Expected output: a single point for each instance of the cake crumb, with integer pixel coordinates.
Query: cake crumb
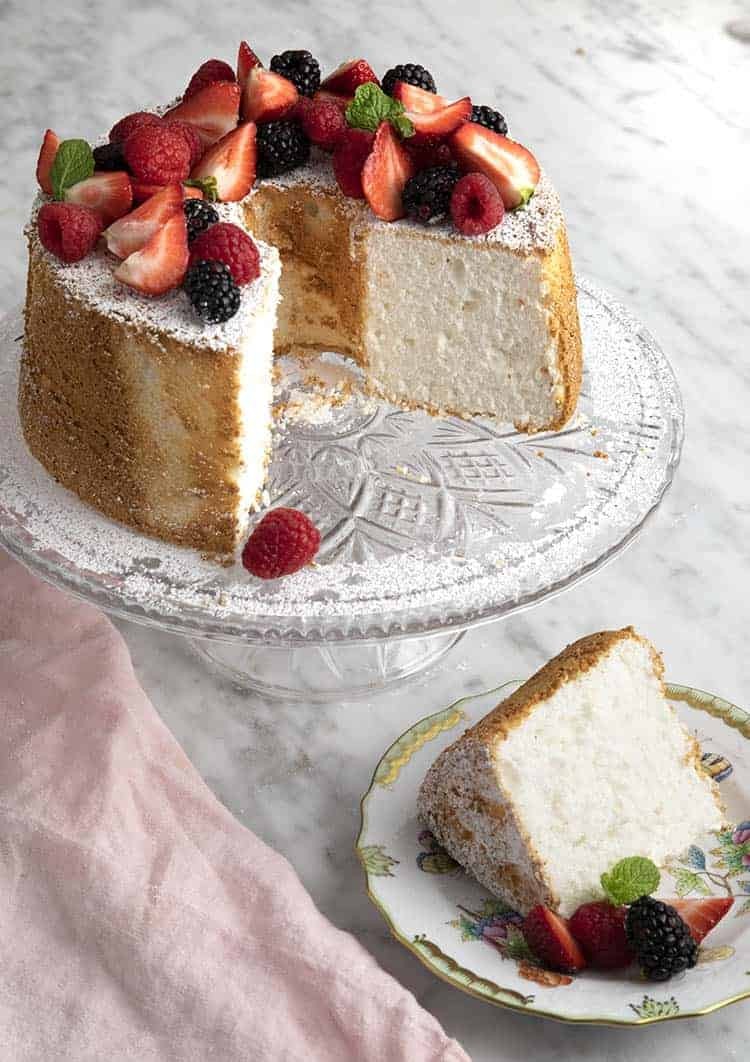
(601, 454)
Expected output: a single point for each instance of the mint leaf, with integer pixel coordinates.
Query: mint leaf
(74, 162)
(630, 879)
(207, 185)
(371, 106)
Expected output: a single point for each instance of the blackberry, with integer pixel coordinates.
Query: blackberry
(490, 119)
(282, 146)
(199, 216)
(662, 942)
(427, 195)
(212, 291)
(301, 68)
(109, 157)
(412, 73)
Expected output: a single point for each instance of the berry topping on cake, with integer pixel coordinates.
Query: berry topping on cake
(212, 292)
(346, 79)
(67, 230)
(191, 136)
(133, 231)
(159, 266)
(323, 122)
(110, 157)
(282, 146)
(130, 124)
(412, 74)
(225, 242)
(476, 206)
(348, 160)
(109, 194)
(214, 110)
(208, 73)
(158, 154)
(333, 97)
(246, 60)
(549, 937)
(599, 928)
(142, 190)
(284, 541)
(47, 152)
(385, 173)
(199, 216)
(490, 119)
(662, 942)
(230, 164)
(299, 67)
(430, 114)
(701, 915)
(427, 195)
(266, 96)
(428, 151)
(511, 167)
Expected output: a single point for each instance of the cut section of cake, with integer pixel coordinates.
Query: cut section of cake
(585, 764)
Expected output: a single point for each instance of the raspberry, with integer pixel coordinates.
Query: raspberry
(324, 123)
(191, 137)
(348, 160)
(130, 124)
(227, 243)
(207, 74)
(158, 155)
(67, 230)
(599, 928)
(283, 542)
(476, 205)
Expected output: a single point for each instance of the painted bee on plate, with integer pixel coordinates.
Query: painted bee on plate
(716, 766)
(436, 860)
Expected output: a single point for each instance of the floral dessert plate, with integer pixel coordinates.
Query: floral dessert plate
(470, 939)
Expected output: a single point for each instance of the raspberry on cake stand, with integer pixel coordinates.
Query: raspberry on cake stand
(429, 525)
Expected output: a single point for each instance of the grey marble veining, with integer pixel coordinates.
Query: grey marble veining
(640, 113)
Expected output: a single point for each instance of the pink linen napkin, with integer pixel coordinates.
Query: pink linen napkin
(138, 919)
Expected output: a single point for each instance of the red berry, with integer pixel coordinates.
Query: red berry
(348, 160)
(476, 205)
(284, 541)
(324, 123)
(227, 243)
(130, 124)
(428, 152)
(158, 155)
(549, 937)
(599, 928)
(67, 230)
(346, 79)
(47, 153)
(208, 73)
(191, 136)
(701, 915)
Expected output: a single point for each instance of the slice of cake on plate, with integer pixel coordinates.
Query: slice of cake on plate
(586, 763)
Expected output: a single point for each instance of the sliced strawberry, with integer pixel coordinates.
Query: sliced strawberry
(231, 162)
(161, 264)
(349, 158)
(267, 96)
(143, 191)
(333, 97)
(47, 153)
(549, 937)
(346, 79)
(109, 194)
(246, 60)
(386, 171)
(133, 231)
(214, 111)
(189, 192)
(703, 914)
(431, 115)
(417, 100)
(510, 166)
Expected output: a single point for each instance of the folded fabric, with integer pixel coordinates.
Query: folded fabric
(138, 919)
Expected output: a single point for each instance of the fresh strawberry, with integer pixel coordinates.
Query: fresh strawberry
(703, 914)
(511, 167)
(333, 97)
(142, 191)
(599, 928)
(384, 174)
(47, 153)
(346, 79)
(161, 264)
(549, 937)
(208, 73)
(348, 160)
(214, 111)
(189, 192)
(109, 194)
(68, 231)
(267, 96)
(246, 60)
(430, 114)
(231, 162)
(133, 231)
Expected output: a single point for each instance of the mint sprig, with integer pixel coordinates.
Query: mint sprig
(630, 879)
(371, 106)
(74, 162)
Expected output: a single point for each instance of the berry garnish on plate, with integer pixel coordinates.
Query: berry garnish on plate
(412, 74)
(130, 124)
(158, 154)
(301, 68)
(284, 541)
(227, 243)
(427, 195)
(430, 114)
(701, 915)
(323, 122)
(661, 941)
(510, 166)
(266, 96)
(208, 73)
(109, 194)
(246, 60)
(133, 231)
(549, 937)
(385, 173)
(476, 206)
(490, 119)
(214, 111)
(212, 291)
(346, 79)
(47, 152)
(599, 928)
(68, 231)
(230, 164)
(159, 266)
(348, 160)
(199, 216)
(282, 146)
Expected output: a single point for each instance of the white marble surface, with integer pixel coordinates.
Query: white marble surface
(640, 113)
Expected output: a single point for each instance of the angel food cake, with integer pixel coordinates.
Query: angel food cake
(268, 212)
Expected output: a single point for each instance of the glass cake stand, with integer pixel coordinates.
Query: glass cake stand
(430, 525)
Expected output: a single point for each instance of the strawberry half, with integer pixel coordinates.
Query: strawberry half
(47, 153)
(161, 263)
(214, 111)
(346, 79)
(246, 60)
(549, 937)
(143, 191)
(385, 173)
(267, 96)
(133, 231)
(510, 166)
(702, 915)
(430, 114)
(109, 194)
(231, 162)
